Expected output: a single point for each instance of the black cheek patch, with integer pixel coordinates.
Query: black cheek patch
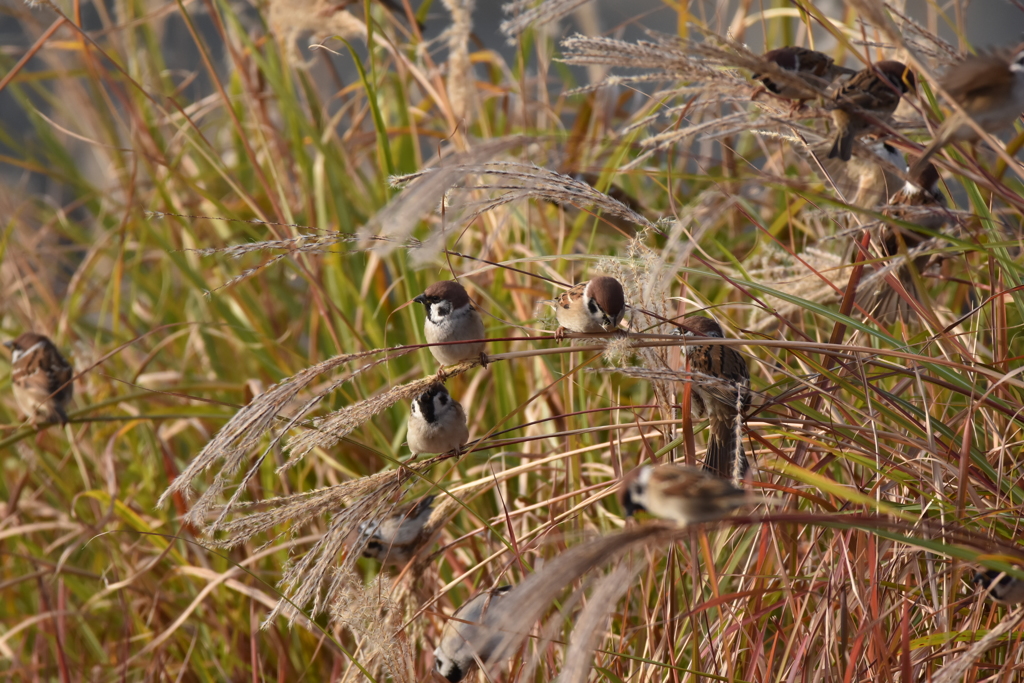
(456, 674)
(592, 306)
(427, 408)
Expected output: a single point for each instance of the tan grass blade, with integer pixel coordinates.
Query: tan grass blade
(521, 609)
(591, 622)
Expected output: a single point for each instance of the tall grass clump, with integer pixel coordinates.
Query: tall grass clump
(222, 213)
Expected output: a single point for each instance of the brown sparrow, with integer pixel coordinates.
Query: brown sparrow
(683, 494)
(437, 423)
(721, 391)
(452, 317)
(919, 202)
(455, 656)
(869, 178)
(875, 91)
(816, 68)
(41, 379)
(910, 205)
(590, 307)
(1000, 586)
(989, 88)
(396, 539)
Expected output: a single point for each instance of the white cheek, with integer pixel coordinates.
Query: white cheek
(688, 349)
(21, 354)
(442, 664)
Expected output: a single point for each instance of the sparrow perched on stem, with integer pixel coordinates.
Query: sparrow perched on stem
(437, 423)
(815, 68)
(989, 87)
(41, 379)
(396, 539)
(874, 91)
(721, 393)
(685, 495)
(452, 317)
(919, 202)
(455, 655)
(590, 307)
(1000, 586)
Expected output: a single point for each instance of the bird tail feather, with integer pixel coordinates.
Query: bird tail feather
(725, 457)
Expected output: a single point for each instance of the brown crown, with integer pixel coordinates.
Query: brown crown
(608, 294)
(450, 290)
(898, 73)
(702, 326)
(928, 177)
(27, 340)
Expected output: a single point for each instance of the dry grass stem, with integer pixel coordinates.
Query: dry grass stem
(243, 432)
(369, 612)
(592, 622)
(516, 615)
(527, 14)
(515, 181)
(460, 82)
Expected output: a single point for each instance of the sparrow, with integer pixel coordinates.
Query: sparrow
(919, 202)
(875, 91)
(454, 656)
(451, 316)
(590, 307)
(910, 205)
(815, 68)
(685, 495)
(437, 423)
(396, 539)
(869, 178)
(41, 379)
(721, 383)
(1000, 586)
(989, 87)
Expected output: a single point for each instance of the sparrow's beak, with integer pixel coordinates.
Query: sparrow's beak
(9, 343)
(421, 299)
